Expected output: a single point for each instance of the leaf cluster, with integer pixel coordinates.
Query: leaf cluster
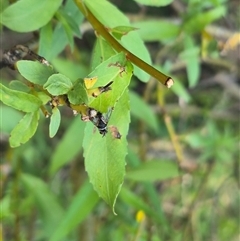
(181, 177)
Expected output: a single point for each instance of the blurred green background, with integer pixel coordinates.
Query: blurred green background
(182, 173)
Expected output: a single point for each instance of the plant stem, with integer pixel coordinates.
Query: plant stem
(100, 29)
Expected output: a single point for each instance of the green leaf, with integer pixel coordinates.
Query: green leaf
(78, 95)
(191, 58)
(157, 30)
(142, 111)
(29, 15)
(43, 97)
(120, 31)
(54, 122)
(131, 41)
(154, 171)
(45, 40)
(19, 85)
(58, 43)
(108, 70)
(71, 141)
(105, 156)
(19, 100)
(50, 210)
(6, 210)
(9, 118)
(81, 205)
(25, 129)
(62, 17)
(101, 52)
(70, 21)
(156, 3)
(110, 98)
(58, 84)
(35, 72)
(72, 10)
(71, 18)
(200, 20)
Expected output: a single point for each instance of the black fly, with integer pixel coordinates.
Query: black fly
(98, 119)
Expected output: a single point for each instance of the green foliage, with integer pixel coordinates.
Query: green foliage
(119, 31)
(54, 122)
(71, 141)
(149, 30)
(191, 56)
(215, 143)
(153, 171)
(105, 158)
(58, 84)
(50, 210)
(19, 100)
(146, 114)
(78, 93)
(115, 18)
(108, 70)
(200, 20)
(156, 3)
(25, 129)
(82, 204)
(18, 17)
(34, 72)
(180, 155)
(115, 68)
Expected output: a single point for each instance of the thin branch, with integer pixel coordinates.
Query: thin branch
(101, 30)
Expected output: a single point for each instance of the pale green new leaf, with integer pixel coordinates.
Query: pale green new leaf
(105, 156)
(25, 129)
(50, 210)
(29, 15)
(34, 72)
(58, 84)
(19, 100)
(54, 122)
